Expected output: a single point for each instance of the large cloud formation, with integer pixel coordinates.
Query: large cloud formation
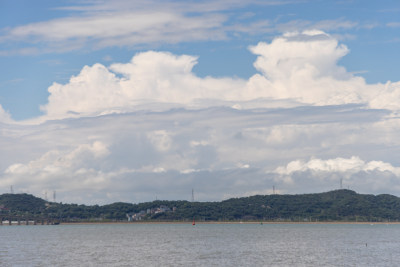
(297, 67)
(151, 77)
(151, 127)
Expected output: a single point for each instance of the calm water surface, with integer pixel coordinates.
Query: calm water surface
(201, 245)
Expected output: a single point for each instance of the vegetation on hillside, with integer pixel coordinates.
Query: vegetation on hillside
(338, 205)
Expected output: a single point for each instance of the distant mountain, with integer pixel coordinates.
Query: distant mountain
(338, 205)
(22, 203)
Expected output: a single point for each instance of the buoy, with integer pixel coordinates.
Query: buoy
(194, 223)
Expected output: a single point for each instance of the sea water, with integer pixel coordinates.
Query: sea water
(201, 245)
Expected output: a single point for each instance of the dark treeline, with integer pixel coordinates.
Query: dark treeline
(338, 205)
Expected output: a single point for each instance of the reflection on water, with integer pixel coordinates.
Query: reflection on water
(201, 245)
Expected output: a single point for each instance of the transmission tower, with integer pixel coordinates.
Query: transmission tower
(11, 189)
(54, 196)
(192, 195)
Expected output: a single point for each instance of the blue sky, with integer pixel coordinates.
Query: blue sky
(296, 89)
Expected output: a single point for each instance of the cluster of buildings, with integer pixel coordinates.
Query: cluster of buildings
(140, 215)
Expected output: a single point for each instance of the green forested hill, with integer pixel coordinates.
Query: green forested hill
(22, 203)
(338, 205)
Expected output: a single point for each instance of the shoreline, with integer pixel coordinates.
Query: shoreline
(217, 222)
(209, 222)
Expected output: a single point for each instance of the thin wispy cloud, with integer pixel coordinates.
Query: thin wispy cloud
(325, 25)
(127, 23)
(100, 24)
(119, 29)
(393, 24)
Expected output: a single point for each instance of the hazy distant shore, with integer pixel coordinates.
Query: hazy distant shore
(338, 206)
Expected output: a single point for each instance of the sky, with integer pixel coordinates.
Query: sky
(106, 101)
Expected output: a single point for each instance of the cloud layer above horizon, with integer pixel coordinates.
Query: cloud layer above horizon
(152, 127)
(296, 67)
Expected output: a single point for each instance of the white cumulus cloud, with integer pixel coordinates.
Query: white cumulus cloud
(4, 116)
(338, 165)
(150, 77)
(353, 173)
(304, 66)
(296, 67)
(70, 170)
